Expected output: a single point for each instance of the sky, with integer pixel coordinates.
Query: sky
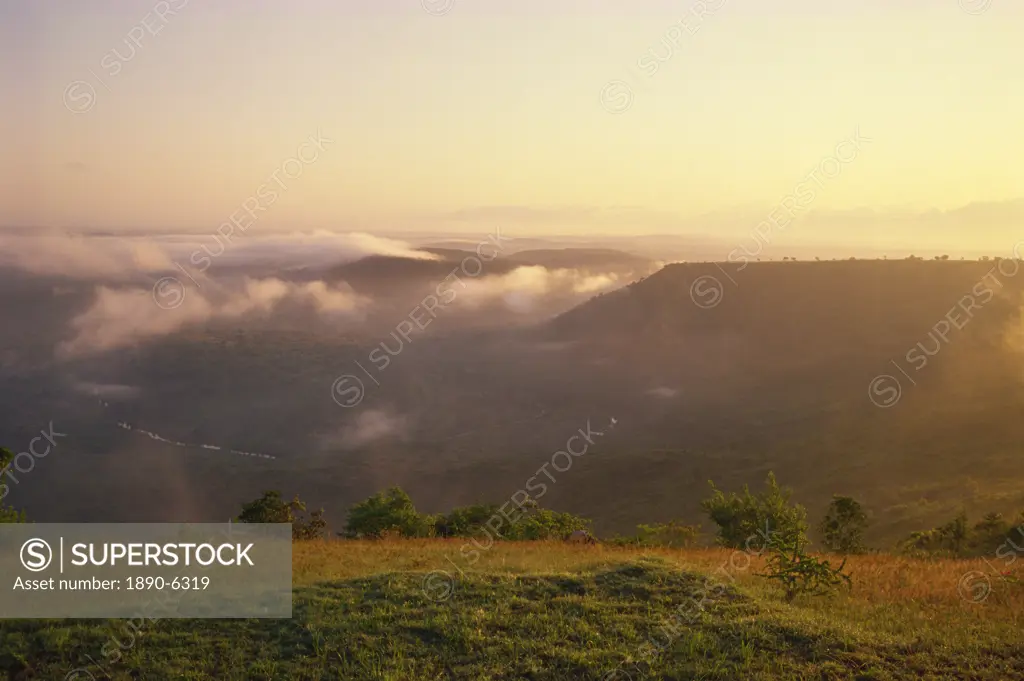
(543, 116)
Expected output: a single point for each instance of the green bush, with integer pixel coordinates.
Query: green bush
(387, 514)
(7, 513)
(948, 540)
(749, 520)
(672, 534)
(464, 520)
(989, 533)
(799, 573)
(530, 522)
(843, 528)
(540, 523)
(959, 539)
(392, 513)
(271, 508)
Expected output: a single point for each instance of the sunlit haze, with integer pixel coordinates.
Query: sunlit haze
(543, 117)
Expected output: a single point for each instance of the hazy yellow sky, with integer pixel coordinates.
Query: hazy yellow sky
(494, 111)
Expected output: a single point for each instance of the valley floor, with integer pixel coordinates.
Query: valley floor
(414, 610)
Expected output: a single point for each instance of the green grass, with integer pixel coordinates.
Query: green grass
(545, 613)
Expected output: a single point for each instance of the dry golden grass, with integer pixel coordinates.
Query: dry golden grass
(945, 589)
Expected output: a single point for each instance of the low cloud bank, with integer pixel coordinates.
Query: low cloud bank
(120, 317)
(121, 258)
(82, 257)
(521, 289)
(297, 249)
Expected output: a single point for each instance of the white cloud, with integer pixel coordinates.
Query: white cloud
(122, 317)
(57, 253)
(522, 287)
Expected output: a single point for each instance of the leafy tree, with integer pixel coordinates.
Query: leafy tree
(271, 508)
(749, 519)
(800, 573)
(386, 514)
(844, 524)
(8, 514)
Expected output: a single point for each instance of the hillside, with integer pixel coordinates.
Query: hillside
(774, 377)
(802, 305)
(411, 610)
(382, 274)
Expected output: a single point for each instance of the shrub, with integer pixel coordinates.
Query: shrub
(843, 528)
(530, 522)
(747, 518)
(271, 508)
(948, 540)
(671, 534)
(540, 523)
(800, 573)
(958, 539)
(314, 528)
(464, 520)
(7, 513)
(989, 533)
(389, 513)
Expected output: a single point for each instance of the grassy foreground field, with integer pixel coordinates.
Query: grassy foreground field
(412, 610)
